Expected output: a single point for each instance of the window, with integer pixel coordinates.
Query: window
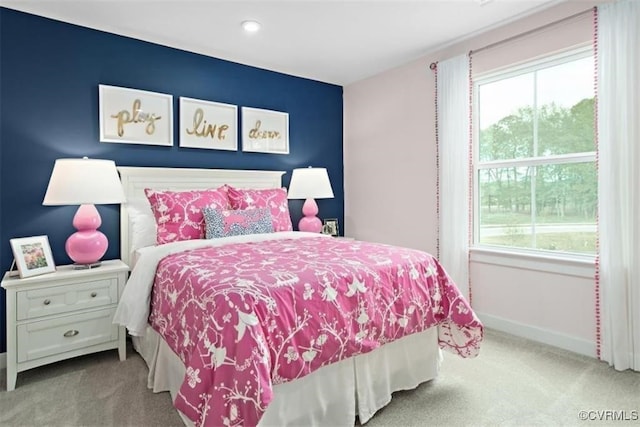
(535, 183)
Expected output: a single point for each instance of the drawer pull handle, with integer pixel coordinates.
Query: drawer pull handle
(94, 294)
(71, 333)
(47, 302)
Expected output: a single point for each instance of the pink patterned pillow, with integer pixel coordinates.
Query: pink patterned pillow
(274, 198)
(179, 215)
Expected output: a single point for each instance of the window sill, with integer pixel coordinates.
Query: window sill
(568, 265)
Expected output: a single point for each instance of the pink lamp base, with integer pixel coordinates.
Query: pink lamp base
(87, 245)
(310, 222)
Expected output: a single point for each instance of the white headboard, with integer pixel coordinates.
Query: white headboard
(136, 179)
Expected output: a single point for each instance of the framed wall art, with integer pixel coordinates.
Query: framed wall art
(265, 131)
(133, 116)
(32, 256)
(206, 124)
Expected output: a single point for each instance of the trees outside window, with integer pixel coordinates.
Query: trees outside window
(535, 180)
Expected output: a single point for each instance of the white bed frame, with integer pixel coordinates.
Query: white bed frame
(334, 395)
(136, 179)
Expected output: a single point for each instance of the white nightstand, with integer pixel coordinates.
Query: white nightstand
(61, 315)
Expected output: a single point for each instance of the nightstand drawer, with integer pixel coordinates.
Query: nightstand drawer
(35, 303)
(62, 334)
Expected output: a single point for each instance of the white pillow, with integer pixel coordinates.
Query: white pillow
(143, 227)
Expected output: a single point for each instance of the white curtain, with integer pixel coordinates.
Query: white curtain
(619, 182)
(453, 127)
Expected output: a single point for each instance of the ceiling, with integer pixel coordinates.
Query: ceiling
(332, 41)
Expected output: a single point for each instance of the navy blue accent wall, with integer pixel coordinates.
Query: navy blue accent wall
(49, 76)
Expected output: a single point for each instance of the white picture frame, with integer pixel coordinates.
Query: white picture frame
(32, 256)
(330, 227)
(132, 116)
(265, 131)
(209, 125)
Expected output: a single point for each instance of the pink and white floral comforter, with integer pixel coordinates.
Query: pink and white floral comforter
(246, 316)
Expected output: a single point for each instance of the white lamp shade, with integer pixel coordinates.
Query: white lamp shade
(310, 183)
(84, 181)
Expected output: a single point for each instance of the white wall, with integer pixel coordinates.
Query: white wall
(389, 158)
(390, 188)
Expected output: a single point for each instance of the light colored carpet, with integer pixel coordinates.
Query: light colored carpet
(514, 382)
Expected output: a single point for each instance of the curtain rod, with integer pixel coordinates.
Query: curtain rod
(533, 30)
(434, 65)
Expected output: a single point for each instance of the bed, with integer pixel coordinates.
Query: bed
(332, 393)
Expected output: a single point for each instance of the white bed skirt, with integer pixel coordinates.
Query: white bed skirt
(330, 396)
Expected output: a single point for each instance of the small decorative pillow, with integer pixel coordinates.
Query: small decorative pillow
(225, 223)
(274, 198)
(179, 215)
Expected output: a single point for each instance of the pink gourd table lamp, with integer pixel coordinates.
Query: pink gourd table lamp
(310, 184)
(85, 182)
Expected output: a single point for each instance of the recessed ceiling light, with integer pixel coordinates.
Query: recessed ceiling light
(251, 26)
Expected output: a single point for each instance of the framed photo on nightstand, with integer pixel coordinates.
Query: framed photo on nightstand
(330, 226)
(33, 256)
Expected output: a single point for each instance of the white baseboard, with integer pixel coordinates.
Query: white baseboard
(556, 339)
(3, 360)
